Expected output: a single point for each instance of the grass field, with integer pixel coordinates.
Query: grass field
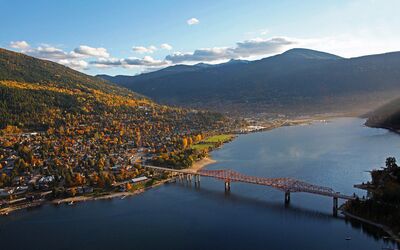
(211, 142)
(218, 138)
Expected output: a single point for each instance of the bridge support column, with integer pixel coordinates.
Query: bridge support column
(227, 186)
(287, 198)
(335, 206)
(197, 180)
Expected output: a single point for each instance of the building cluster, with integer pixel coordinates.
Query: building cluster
(88, 153)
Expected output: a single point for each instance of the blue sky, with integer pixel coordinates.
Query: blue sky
(129, 37)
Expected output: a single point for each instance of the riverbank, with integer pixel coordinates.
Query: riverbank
(107, 196)
(110, 195)
(390, 232)
(195, 167)
(202, 163)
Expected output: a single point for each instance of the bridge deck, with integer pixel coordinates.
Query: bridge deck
(284, 184)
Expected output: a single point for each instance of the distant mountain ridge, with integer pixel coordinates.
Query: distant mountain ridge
(298, 80)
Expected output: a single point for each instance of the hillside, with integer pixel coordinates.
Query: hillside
(35, 92)
(62, 131)
(38, 94)
(296, 81)
(386, 116)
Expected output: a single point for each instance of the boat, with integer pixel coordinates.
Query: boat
(348, 238)
(71, 203)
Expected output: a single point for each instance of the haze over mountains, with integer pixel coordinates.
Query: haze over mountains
(386, 116)
(298, 81)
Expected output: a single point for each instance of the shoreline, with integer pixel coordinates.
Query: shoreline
(106, 196)
(198, 165)
(195, 167)
(369, 222)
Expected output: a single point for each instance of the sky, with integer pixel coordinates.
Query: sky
(131, 37)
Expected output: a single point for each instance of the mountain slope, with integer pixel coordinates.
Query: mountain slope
(22, 68)
(386, 116)
(299, 80)
(37, 95)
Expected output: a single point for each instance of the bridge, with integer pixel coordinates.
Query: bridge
(287, 185)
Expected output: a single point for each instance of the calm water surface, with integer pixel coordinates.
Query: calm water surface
(177, 216)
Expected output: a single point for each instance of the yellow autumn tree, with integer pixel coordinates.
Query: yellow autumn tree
(184, 142)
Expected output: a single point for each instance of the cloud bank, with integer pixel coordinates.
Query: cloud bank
(253, 47)
(85, 57)
(129, 62)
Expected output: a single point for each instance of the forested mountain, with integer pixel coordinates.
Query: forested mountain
(298, 80)
(39, 94)
(80, 131)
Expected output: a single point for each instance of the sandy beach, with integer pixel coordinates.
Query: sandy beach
(202, 163)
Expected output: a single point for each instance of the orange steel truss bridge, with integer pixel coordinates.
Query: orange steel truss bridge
(287, 185)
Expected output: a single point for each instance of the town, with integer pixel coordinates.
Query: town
(100, 154)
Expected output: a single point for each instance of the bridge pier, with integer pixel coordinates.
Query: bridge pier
(197, 180)
(227, 186)
(287, 198)
(335, 206)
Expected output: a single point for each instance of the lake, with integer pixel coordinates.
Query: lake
(336, 154)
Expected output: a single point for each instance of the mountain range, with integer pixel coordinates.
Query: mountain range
(298, 81)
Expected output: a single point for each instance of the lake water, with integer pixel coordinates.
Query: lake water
(177, 216)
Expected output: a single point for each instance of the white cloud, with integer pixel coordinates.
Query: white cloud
(129, 62)
(21, 45)
(145, 61)
(75, 64)
(90, 51)
(166, 46)
(142, 49)
(248, 48)
(51, 53)
(261, 46)
(193, 21)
